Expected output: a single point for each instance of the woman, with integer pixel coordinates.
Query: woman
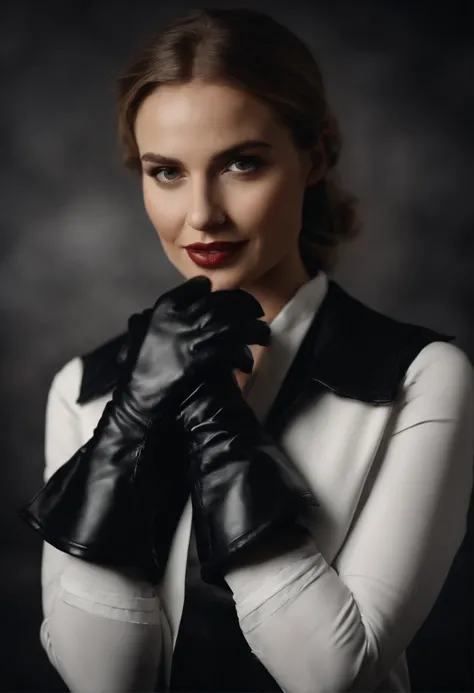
(263, 484)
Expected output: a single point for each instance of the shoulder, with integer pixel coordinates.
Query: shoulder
(91, 375)
(101, 368)
(67, 380)
(438, 387)
(442, 374)
(445, 362)
(95, 374)
(364, 354)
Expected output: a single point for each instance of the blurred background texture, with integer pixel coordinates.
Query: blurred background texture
(78, 254)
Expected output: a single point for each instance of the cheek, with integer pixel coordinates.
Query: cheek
(161, 215)
(149, 200)
(277, 211)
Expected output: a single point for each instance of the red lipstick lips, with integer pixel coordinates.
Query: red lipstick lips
(214, 254)
(215, 245)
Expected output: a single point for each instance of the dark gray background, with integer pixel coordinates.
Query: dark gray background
(79, 255)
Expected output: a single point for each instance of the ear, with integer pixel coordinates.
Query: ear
(319, 164)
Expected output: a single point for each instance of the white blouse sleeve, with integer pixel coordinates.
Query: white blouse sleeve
(101, 628)
(320, 628)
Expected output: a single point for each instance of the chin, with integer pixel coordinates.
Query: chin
(222, 279)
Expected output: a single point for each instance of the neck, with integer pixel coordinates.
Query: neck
(276, 287)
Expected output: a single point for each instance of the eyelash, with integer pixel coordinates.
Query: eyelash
(256, 161)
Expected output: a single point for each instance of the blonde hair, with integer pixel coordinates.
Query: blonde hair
(254, 52)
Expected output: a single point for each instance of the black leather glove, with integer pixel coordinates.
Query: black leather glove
(243, 487)
(126, 485)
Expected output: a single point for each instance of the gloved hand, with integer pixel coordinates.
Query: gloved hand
(243, 487)
(127, 484)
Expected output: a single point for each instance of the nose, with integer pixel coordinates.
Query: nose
(204, 211)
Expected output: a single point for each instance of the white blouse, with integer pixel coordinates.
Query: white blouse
(334, 615)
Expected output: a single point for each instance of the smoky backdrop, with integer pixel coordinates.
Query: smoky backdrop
(78, 254)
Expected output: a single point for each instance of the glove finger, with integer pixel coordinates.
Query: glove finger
(247, 332)
(221, 304)
(236, 356)
(225, 358)
(244, 332)
(237, 298)
(243, 360)
(182, 296)
(138, 322)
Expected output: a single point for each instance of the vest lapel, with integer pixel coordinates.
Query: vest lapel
(351, 350)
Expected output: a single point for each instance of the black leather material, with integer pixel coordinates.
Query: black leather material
(104, 503)
(359, 353)
(102, 506)
(176, 344)
(243, 488)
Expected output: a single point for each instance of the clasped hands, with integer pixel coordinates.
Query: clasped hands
(119, 498)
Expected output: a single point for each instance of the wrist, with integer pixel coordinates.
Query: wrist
(132, 417)
(281, 541)
(217, 405)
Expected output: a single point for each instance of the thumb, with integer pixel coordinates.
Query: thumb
(241, 359)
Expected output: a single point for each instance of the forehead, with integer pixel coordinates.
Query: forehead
(174, 116)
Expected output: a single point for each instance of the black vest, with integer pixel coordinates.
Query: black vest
(355, 352)
(211, 653)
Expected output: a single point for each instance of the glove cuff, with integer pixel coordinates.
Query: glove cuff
(239, 505)
(115, 501)
(243, 487)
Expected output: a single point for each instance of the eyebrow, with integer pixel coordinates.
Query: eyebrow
(220, 156)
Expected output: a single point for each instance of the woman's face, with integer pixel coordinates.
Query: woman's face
(194, 193)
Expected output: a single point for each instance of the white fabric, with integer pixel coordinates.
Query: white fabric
(393, 483)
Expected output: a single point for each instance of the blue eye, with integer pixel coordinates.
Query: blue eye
(154, 173)
(251, 163)
(255, 161)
